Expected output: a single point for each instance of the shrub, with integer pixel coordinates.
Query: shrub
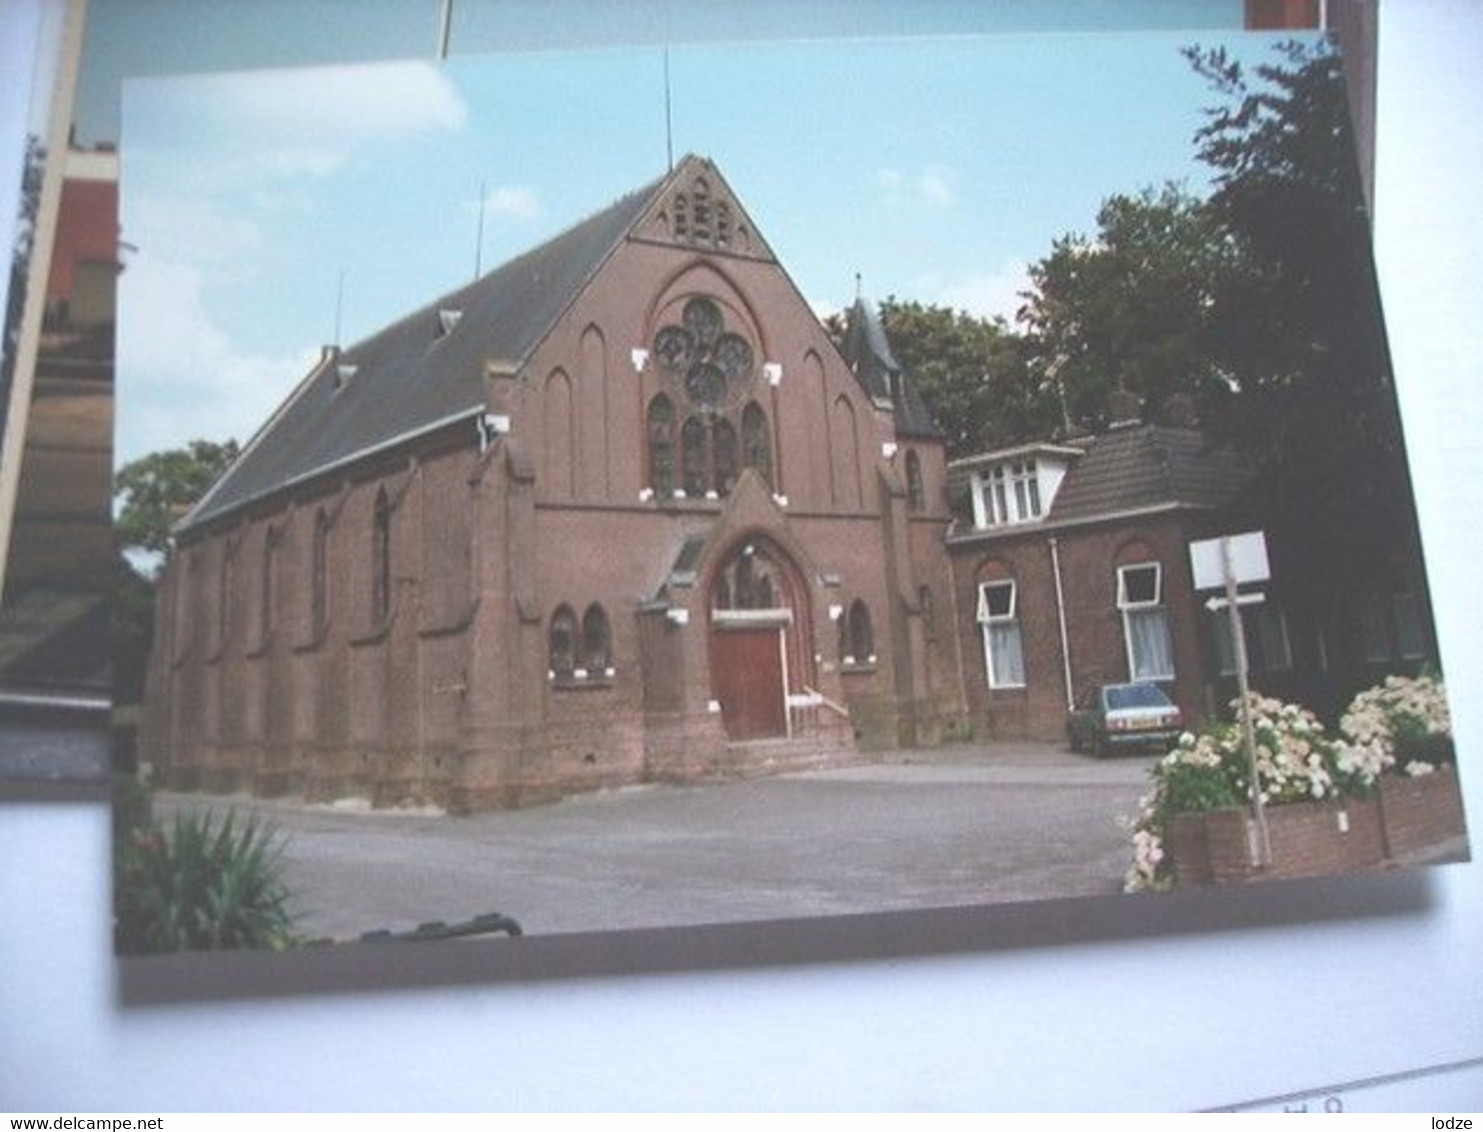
(201, 887)
(1402, 724)
(1295, 761)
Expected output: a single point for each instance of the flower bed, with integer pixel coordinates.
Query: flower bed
(1401, 730)
(1383, 788)
(1191, 828)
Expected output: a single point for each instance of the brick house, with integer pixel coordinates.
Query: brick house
(618, 510)
(1071, 569)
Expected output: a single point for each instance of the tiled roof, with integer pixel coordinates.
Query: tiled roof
(415, 373)
(1133, 468)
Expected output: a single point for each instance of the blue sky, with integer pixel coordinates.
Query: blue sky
(935, 167)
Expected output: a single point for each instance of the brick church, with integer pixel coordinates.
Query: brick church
(621, 510)
(617, 511)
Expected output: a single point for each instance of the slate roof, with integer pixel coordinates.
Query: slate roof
(868, 352)
(1129, 469)
(419, 373)
(1133, 468)
(413, 376)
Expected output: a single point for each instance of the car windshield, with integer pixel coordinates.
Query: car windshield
(1134, 696)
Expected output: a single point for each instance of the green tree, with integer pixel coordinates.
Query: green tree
(1130, 308)
(150, 494)
(154, 491)
(20, 264)
(1299, 330)
(971, 372)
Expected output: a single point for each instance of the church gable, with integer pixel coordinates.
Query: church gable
(698, 210)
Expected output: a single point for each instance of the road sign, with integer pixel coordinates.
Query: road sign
(1248, 559)
(1214, 603)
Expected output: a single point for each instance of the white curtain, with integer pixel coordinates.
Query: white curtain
(1006, 660)
(1150, 650)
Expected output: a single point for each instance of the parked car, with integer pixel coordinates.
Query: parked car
(1119, 717)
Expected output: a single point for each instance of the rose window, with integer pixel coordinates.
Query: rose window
(711, 362)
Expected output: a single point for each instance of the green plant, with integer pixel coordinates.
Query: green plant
(1295, 762)
(1402, 725)
(1191, 788)
(200, 887)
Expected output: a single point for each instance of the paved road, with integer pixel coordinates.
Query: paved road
(967, 825)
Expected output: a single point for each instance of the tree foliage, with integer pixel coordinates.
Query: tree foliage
(20, 263)
(1299, 328)
(970, 371)
(1130, 308)
(154, 491)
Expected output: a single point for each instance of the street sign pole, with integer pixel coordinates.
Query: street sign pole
(1262, 850)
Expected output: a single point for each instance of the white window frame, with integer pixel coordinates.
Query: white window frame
(1130, 608)
(989, 621)
(1006, 494)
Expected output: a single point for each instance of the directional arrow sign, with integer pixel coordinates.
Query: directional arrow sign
(1215, 603)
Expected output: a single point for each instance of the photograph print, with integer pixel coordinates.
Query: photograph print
(630, 489)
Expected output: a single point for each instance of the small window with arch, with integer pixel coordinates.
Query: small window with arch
(561, 643)
(856, 637)
(597, 643)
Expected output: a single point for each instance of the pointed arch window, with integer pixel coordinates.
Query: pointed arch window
(694, 458)
(319, 582)
(723, 224)
(381, 558)
(223, 599)
(856, 636)
(751, 580)
(916, 493)
(561, 643)
(265, 595)
(662, 446)
(597, 642)
(724, 455)
(929, 612)
(757, 441)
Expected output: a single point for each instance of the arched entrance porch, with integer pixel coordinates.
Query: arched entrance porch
(760, 639)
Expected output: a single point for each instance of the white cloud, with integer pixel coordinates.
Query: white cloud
(304, 109)
(983, 294)
(934, 186)
(180, 376)
(220, 131)
(519, 202)
(214, 235)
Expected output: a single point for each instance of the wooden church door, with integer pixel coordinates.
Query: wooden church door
(758, 626)
(747, 678)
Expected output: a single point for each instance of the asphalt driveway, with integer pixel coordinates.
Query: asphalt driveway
(965, 825)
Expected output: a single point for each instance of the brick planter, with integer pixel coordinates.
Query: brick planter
(1419, 813)
(1308, 839)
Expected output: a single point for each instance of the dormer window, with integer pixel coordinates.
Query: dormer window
(1006, 493)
